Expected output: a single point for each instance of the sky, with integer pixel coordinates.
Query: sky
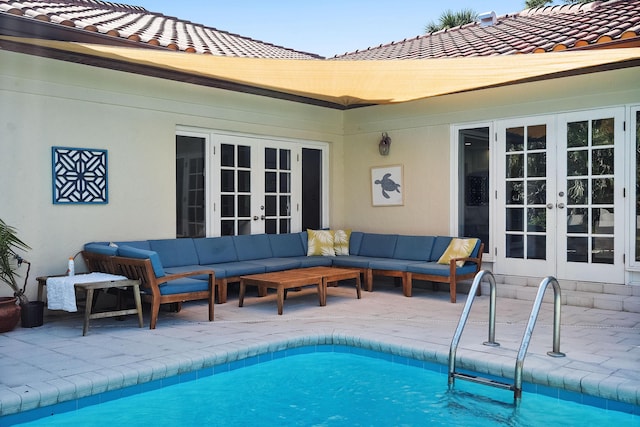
(323, 27)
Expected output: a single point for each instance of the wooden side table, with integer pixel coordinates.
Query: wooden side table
(89, 289)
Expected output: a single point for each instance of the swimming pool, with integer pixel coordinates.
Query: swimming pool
(327, 386)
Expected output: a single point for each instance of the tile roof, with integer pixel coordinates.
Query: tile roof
(543, 29)
(135, 23)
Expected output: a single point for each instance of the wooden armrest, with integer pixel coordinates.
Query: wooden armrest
(175, 276)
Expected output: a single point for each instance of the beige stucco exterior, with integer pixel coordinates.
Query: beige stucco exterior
(45, 103)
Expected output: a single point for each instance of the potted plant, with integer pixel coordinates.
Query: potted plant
(10, 262)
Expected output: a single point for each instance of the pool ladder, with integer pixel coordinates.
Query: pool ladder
(516, 387)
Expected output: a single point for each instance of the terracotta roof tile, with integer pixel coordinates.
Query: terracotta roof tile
(543, 29)
(138, 24)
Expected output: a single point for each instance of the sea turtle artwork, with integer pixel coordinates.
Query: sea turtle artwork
(388, 185)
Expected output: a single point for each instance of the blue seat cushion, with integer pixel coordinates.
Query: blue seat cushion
(417, 248)
(213, 250)
(378, 245)
(237, 268)
(180, 286)
(313, 261)
(252, 246)
(286, 245)
(189, 268)
(131, 252)
(175, 252)
(101, 248)
(436, 269)
(391, 264)
(277, 264)
(352, 261)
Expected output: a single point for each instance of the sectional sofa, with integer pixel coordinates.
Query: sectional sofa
(229, 257)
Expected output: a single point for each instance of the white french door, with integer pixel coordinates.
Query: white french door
(560, 196)
(259, 189)
(526, 206)
(591, 179)
(231, 184)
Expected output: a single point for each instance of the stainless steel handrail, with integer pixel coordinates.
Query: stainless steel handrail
(517, 392)
(465, 315)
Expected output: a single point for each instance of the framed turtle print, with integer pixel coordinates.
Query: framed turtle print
(387, 186)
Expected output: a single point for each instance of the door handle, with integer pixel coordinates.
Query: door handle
(560, 205)
(255, 217)
(262, 217)
(549, 205)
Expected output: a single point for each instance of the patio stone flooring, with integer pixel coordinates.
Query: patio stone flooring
(54, 363)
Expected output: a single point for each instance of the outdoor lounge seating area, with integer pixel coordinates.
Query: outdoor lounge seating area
(173, 270)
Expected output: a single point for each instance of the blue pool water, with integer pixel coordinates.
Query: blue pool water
(334, 389)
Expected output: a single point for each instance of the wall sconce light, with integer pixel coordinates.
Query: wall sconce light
(385, 144)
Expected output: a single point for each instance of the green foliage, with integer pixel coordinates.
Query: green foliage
(450, 19)
(530, 4)
(9, 244)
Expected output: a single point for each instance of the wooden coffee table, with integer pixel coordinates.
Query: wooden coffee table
(333, 274)
(296, 278)
(280, 281)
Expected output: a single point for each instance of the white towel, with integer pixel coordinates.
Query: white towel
(61, 294)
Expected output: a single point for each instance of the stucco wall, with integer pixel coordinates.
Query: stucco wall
(47, 103)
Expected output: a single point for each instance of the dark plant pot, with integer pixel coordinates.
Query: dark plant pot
(9, 313)
(32, 314)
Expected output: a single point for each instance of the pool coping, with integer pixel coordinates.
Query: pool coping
(74, 393)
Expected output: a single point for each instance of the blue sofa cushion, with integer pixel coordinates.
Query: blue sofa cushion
(391, 264)
(436, 269)
(378, 245)
(235, 269)
(189, 268)
(140, 244)
(180, 286)
(417, 248)
(131, 252)
(304, 239)
(101, 248)
(352, 261)
(355, 241)
(286, 245)
(277, 264)
(213, 250)
(313, 261)
(175, 252)
(252, 246)
(439, 246)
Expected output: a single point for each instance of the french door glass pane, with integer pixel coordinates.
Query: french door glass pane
(228, 155)
(244, 181)
(270, 158)
(227, 180)
(270, 182)
(244, 156)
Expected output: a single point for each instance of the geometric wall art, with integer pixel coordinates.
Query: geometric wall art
(79, 175)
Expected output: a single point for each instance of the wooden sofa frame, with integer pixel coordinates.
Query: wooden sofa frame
(143, 270)
(407, 277)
